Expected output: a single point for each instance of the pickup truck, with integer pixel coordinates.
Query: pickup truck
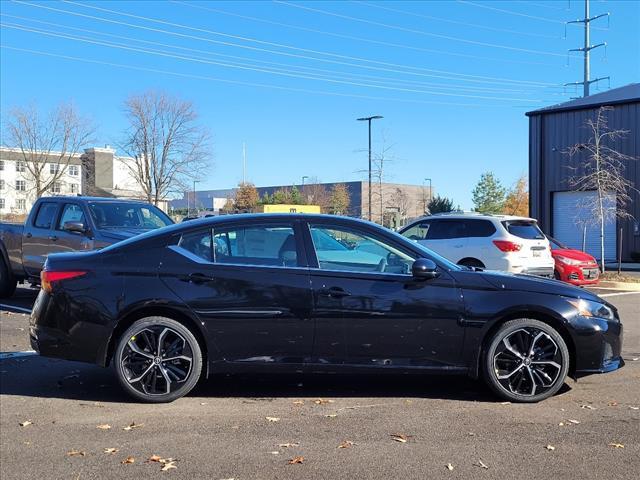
(65, 224)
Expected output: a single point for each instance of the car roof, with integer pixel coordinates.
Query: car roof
(93, 199)
(472, 215)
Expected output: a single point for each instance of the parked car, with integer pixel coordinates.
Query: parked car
(66, 224)
(297, 292)
(574, 266)
(492, 242)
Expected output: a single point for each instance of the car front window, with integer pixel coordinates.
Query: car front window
(127, 215)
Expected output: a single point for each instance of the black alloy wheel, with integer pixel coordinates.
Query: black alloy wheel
(158, 360)
(527, 361)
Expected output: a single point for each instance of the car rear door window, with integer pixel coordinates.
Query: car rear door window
(478, 228)
(71, 213)
(446, 229)
(524, 229)
(46, 214)
(269, 245)
(418, 231)
(198, 244)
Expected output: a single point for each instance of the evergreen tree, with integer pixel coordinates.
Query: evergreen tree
(440, 204)
(488, 195)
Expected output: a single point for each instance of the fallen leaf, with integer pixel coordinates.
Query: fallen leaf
(347, 444)
(634, 408)
(76, 453)
(111, 450)
(275, 452)
(575, 422)
(471, 434)
(550, 447)
(298, 402)
(26, 423)
(104, 426)
(616, 445)
(561, 424)
(128, 460)
(294, 460)
(331, 415)
(272, 419)
(588, 407)
(204, 403)
(288, 445)
(133, 425)
(168, 466)
(502, 403)
(635, 359)
(481, 464)
(612, 403)
(154, 458)
(398, 437)
(449, 467)
(322, 401)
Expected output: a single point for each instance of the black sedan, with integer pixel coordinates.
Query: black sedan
(312, 293)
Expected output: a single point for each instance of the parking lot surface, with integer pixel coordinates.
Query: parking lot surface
(62, 419)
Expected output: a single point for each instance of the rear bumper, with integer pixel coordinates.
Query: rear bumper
(539, 271)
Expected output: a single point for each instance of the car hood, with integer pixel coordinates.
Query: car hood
(531, 283)
(573, 254)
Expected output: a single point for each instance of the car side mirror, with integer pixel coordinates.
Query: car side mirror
(424, 268)
(74, 227)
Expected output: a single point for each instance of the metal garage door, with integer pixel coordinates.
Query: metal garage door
(571, 217)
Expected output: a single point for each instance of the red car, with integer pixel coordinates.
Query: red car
(573, 266)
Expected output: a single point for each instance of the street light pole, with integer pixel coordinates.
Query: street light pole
(304, 178)
(430, 189)
(195, 208)
(368, 119)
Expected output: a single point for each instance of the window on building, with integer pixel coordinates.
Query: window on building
(1, 203)
(54, 168)
(1, 164)
(73, 170)
(1, 184)
(21, 204)
(55, 187)
(21, 166)
(21, 185)
(73, 187)
(46, 213)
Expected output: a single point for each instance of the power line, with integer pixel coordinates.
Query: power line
(455, 22)
(255, 69)
(418, 32)
(360, 39)
(333, 73)
(460, 76)
(242, 83)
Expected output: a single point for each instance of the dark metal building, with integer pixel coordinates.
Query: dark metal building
(552, 131)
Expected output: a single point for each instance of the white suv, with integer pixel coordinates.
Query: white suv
(493, 242)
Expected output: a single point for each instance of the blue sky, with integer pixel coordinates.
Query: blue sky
(452, 78)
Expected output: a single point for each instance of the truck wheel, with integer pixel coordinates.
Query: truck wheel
(8, 283)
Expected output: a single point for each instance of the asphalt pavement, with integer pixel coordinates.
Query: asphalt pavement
(77, 423)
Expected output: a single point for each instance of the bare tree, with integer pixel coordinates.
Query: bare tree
(170, 149)
(379, 163)
(601, 170)
(46, 143)
(314, 193)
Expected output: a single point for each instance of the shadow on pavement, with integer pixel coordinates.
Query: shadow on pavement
(35, 376)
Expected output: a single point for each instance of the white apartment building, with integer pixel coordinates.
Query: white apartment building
(97, 172)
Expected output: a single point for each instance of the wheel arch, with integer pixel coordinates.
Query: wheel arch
(157, 311)
(545, 317)
(472, 260)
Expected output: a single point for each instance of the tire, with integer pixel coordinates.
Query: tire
(8, 282)
(518, 376)
(556, 275)
(471, 262)
(144, 374)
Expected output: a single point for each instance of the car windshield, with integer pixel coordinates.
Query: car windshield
(127, 215)
(524, 229)
(556, 245)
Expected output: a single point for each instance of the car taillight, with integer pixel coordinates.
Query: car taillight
(48, 277)
(507, 246)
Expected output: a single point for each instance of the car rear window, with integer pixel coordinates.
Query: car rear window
(46, 212)
(524, 229)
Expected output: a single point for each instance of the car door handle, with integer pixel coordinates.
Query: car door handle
(334, 292)
(53, 238)
(200, 278)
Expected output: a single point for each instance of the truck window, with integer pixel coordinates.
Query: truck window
(71, 213)
(46, 214)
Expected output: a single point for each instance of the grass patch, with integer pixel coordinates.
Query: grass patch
(614, 277)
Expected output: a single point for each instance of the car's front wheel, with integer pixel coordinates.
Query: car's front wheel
(526, 361)
(158, 360)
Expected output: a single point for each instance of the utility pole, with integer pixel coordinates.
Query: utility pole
(368, 119)
(586, 83)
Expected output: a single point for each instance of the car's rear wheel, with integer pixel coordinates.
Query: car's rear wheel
(8, 282)
(158, 360)
(526, 361)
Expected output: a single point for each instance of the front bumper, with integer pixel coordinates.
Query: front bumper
(598, 346)
(579, 274)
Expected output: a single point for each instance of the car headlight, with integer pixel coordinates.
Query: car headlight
(587, 308)
(568, 261)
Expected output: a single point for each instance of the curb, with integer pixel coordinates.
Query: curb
(626, 286)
